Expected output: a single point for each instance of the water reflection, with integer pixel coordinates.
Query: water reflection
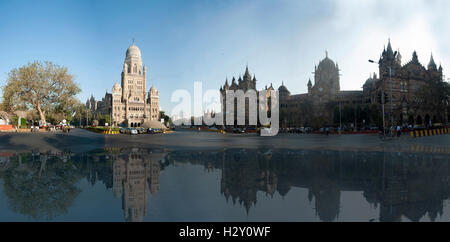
(43, 186)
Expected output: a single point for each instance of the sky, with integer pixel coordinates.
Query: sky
(183, 41)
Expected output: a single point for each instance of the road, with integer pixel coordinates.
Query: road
(81, 141)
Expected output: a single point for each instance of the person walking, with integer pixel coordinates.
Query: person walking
(399, 131)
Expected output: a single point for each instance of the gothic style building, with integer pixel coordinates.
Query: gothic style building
(317, 107)
(129, 104)
(407, 83)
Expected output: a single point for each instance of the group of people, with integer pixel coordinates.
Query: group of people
(324, 131)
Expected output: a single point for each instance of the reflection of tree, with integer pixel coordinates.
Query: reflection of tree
(42, 188)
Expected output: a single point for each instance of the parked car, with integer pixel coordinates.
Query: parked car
(238, 130)
(141, 130)
(133, 131)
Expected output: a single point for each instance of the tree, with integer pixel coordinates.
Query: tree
(163, 115)
(42, 86)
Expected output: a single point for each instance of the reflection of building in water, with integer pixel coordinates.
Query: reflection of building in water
(399, 184)
(136, 173)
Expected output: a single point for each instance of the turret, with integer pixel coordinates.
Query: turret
(309, 86)
(432, 65)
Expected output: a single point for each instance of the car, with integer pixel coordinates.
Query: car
(133, 131)
(238, 130)
(140, 130)
(251, 130)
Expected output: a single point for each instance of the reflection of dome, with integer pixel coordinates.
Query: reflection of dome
(133, 52)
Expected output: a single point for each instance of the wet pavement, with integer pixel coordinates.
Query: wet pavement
(213, 177)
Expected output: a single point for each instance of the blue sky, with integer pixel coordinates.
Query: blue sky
(207, 40)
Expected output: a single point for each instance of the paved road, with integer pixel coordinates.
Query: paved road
(81, 141)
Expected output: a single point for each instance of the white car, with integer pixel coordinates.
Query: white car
(133, 131)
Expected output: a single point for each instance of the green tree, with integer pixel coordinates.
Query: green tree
(163, 115)
(42, 86)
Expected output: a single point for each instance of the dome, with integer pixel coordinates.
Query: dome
(327, 64)
(283, 89)
(133, 52)
(153, 90)
(116, 86)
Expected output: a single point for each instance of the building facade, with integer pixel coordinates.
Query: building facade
(129, 104)
(403, 85)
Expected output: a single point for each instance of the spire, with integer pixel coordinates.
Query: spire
(254, 77)
(326, 54)
(432, 65)
(133, 42)
(415, 59)
(389, 51)
(247, 75)
(309, 82)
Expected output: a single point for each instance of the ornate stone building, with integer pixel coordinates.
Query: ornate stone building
(303, 109)
(318, 107)
(136, 174)
(129, 104)
(407, 83)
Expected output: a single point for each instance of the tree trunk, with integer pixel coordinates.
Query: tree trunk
(41, 114)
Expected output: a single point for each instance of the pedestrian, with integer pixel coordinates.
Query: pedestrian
(399, 131)
(328, 130)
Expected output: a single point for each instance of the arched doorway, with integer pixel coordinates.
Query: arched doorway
(427, 119)
(419, 120)
(411, 120)
(132, 125)
(434, 120)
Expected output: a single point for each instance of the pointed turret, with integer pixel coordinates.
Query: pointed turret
(309, 85)
(247, 76)
(415, 59)
(432, 65)
(389, 51)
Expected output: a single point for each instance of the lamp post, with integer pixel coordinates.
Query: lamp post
(382, 107)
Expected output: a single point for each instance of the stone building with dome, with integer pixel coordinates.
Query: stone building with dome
(129, 103)
(320, 106)
(300, 110)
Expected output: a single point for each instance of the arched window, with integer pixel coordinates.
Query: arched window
(129, 69)
(135, 68)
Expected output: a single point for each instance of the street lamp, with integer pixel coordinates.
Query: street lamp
(382, 106)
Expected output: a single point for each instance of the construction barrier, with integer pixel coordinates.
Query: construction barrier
(110, 132)
(429, 132)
